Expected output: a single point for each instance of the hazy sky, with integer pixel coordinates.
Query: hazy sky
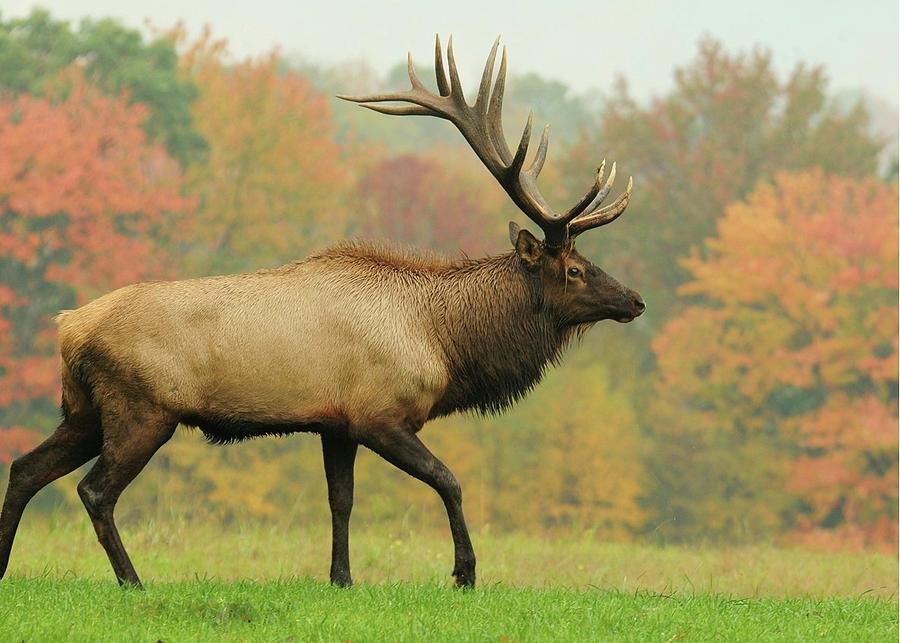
(582, 43)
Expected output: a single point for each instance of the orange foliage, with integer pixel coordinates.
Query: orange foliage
(795, 332)
(272, 185)
(87, 157)
(83, 197)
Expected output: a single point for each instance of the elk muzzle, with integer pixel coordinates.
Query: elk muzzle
(635, 306)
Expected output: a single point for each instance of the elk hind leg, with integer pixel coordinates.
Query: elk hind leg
(131, 435)
(75, 441)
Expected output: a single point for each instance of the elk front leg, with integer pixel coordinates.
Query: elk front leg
(402, 448)
(339, 455)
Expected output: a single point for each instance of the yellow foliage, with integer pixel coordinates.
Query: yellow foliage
(272, 186)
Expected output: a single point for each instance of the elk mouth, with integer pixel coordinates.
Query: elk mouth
(637, 309)
(620, 314)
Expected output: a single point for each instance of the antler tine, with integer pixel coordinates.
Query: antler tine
(483, 98)
(439, 73)
(601, 194)
(537, 164)
(423, 103)
(605, 191)
(399, 110)
(456, 90)
(413, 76)
(495, 113)
(516, 166)
(595, 194)
(588, 198)
(602, 216)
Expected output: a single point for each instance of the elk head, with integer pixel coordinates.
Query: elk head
(576, 290)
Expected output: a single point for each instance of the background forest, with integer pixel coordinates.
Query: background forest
(755, 400)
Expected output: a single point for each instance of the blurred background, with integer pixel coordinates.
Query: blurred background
(755, 401)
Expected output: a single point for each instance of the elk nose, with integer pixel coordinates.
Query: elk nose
(638, 304)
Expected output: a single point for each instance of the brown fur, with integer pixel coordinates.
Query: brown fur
(362, 343)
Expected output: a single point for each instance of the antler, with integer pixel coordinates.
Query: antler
(481, 125)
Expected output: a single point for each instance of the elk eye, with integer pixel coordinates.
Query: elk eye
(574, 272)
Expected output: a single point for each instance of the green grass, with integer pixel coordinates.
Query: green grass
(269, 583)
(58, 609)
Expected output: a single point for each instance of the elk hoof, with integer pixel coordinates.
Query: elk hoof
(341, 581)
(131, 584)
(465, 578)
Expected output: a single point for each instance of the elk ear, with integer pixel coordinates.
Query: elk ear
(513, 232)
(529, 248)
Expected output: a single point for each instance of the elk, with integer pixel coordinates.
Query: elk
(362, 343)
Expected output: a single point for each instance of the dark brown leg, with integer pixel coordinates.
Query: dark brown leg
(70, 446)
(404, 450)
(340, 455)
(130, 440)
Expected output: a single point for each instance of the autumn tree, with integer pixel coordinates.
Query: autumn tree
(114, 59)
(777, 397)
(729, 123)
(273, 185)
(83, 196)
(441, 199)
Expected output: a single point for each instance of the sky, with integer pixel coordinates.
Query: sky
(585, 44)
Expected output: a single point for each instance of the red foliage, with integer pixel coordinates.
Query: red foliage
(86, 157)
(84, 202)
(429, 201)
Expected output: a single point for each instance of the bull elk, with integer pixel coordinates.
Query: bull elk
(362, 343)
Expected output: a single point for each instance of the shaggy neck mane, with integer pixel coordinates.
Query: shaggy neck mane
(497, 336)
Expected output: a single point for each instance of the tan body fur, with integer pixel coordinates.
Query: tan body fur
(275, 346)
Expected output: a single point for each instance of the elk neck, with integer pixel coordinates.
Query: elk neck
(497, 336)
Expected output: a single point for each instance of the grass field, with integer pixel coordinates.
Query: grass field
(270, 584)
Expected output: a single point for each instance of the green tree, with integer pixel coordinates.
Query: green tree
(35, 49)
